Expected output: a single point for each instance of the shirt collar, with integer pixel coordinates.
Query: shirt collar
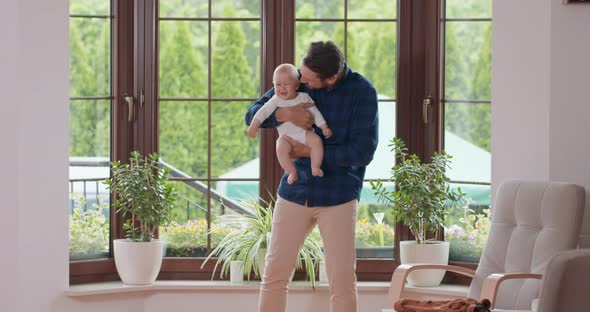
(347, 72)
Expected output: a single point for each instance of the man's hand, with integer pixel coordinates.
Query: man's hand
(298, 115)
(298, 150)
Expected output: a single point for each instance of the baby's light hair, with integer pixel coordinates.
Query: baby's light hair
(290, 69)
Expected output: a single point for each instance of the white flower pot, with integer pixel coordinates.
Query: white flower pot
(236, 272)
(138, 263)
(429, 253)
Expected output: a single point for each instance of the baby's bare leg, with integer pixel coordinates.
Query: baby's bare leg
(283, 149)
(314, 142)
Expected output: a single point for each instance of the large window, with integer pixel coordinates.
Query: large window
(176, 76)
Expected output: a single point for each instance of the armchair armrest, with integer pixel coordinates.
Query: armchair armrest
(489, 289)
(398, 279)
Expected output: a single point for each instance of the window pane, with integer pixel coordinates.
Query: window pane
(233, 153)
(90, 66)
(372, 52)
(467, 124)
(327, 9)
(183, 59)
(374, 239)
(375, 227)
(240, 191)
(308, 32)
(235, 64)
(467, 138)
(468, 60)
(183, 136)
(89, 199)
(187, 235)
(469, 8)
(90, 7)
(372, 9)
(90, 128)
(467, 227)
(184, 8)
(89, 213)
(383, 159)
(235, 8)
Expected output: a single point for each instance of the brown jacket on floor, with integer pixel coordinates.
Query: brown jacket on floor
(457, 305)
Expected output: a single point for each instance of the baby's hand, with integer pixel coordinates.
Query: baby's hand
(327, 132)
(252, 131)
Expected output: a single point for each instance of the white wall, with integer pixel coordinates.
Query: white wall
(570, 99)
(541, 93)
(8, 156)
(520, 89)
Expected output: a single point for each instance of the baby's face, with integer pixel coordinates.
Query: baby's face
(285, 86)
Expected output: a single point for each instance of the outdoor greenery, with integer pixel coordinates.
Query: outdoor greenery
(143, 195)
(89, 229)
(374, 234)
(190, 238)
(468, 236)
(235, 73)
(421, 190)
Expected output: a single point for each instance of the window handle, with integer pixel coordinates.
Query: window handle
(425, 105)
(129, 100)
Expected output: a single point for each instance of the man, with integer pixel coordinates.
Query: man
(348, 102)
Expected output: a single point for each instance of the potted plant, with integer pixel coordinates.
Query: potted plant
(249, 241)
(145, 199)
(419, 201)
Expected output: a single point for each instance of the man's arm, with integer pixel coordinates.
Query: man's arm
(364, 135)
(271, 121)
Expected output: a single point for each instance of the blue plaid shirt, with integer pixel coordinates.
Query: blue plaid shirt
(350, 109)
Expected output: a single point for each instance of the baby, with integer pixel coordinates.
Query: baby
(286, 83)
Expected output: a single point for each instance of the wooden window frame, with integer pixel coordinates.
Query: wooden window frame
(135, 63)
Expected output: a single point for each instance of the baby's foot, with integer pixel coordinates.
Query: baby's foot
(292, 177)
(317, 172)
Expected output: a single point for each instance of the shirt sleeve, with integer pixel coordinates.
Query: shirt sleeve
(266, 110)
(271, 121)
(318, 118)
(363, 137)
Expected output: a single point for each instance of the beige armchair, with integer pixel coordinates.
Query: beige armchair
(565, 284)
(531, 222)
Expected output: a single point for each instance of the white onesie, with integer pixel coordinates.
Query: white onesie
(288, 128)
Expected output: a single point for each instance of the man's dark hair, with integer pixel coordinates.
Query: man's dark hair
(324, 58)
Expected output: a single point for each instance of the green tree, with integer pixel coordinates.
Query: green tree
(89, 76)
(183, 125)
(231, 78)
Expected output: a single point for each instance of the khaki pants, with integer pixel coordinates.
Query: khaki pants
(291, 225)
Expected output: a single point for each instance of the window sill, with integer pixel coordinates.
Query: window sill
(249, 286)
